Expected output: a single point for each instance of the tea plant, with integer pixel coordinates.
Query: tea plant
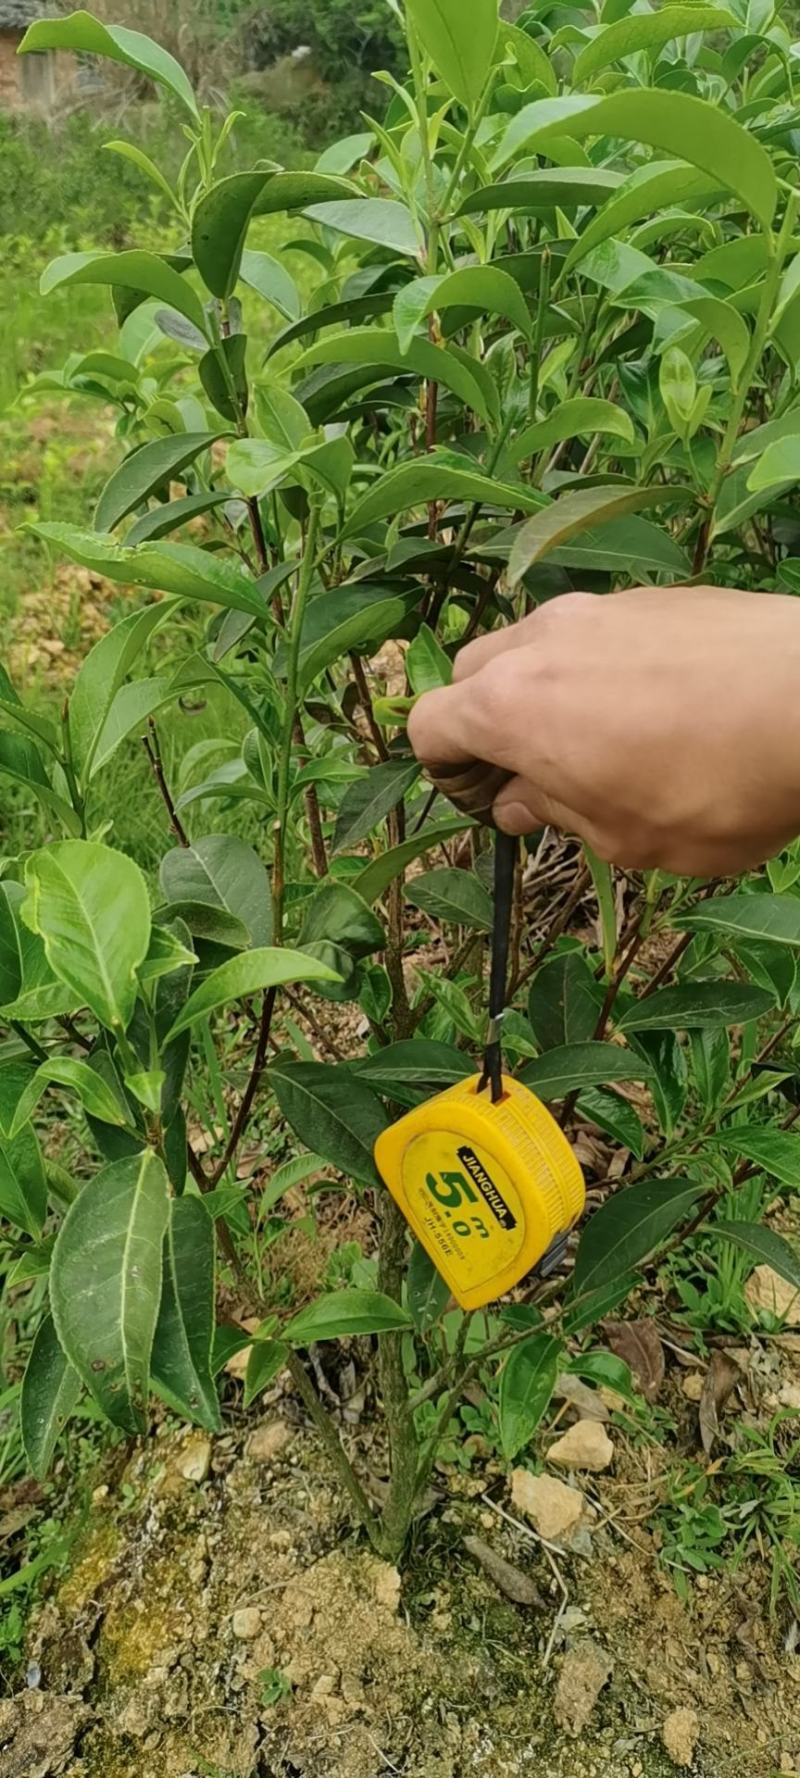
(553, 343)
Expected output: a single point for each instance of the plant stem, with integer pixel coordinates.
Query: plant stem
(289, 727)
(334, 1447)
(152, 748)
(242, 1117)
(403, 1445)
(778, 249)
(538, 340)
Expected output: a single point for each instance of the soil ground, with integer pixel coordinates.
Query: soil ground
(235, 1626)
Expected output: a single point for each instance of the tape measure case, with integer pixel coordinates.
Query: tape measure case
(487, 1188)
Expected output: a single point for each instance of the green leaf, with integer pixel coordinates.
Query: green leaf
(90, 906)
(427, 665)
(223, 375)
(354, 617)
(776, 1152)
(646, 191)
(181, 1360)
(569, 420)
(369, 800)
(170, 515)
(484, 288)
(343, 1314)
(441, 476)
(613, 1113)
(132, 706)
(629, 1227)
(50, 1391)
(591, 1307)
(266, 1361)
(178, 568)
(575, 1065)
(206, 921)
(381, 220)
(20, 759)
(602, 875)
(774, 917)
(86, 35)
(564, 1002)
(221, 871)
(337, 915)
(698, 1006)
(428, 1294)
(465, 377)
(527, 1382)
(249, 973)
(130, 151)
(40, 994)
(669, 1083)
(544, 189)
(332, 1113)
(649, 32)
(456, 896)
(219, 229)
(762, 1244)
(270, 279)
(374, 880)
(779, 463)
(564, 518)
(104, 670)
(145, 471)
(460, 37)
(144, 273)
(692, 129)
(724, 323)
(105, 1283)
(64, 1071)
(416, 1063)
(23, 1185)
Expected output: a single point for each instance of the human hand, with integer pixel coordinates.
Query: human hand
(662, 725)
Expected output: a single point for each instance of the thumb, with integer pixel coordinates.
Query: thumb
(439, 727)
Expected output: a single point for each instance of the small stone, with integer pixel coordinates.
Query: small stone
(268, 1441)
(586, 1670)
(790, 1397)
(555, 1508)
(680, 1735)
(386, 1586)
(585, 1446)
(324, 1687)
(693, 1385)
(246, 1623)
(767, 1291)
(195, 1459)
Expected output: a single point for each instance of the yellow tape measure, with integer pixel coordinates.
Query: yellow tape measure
(487, 1188)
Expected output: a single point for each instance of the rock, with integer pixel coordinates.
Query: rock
(585, 1446)
(555, 1508)
(509, 1580)
(585, 1671)
(767, 1291)
(246, 1623)
(194, 1461)
(268, 1441)
(692, 1386)
(386, 1586)
(790, 1397)
(680, 1735)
